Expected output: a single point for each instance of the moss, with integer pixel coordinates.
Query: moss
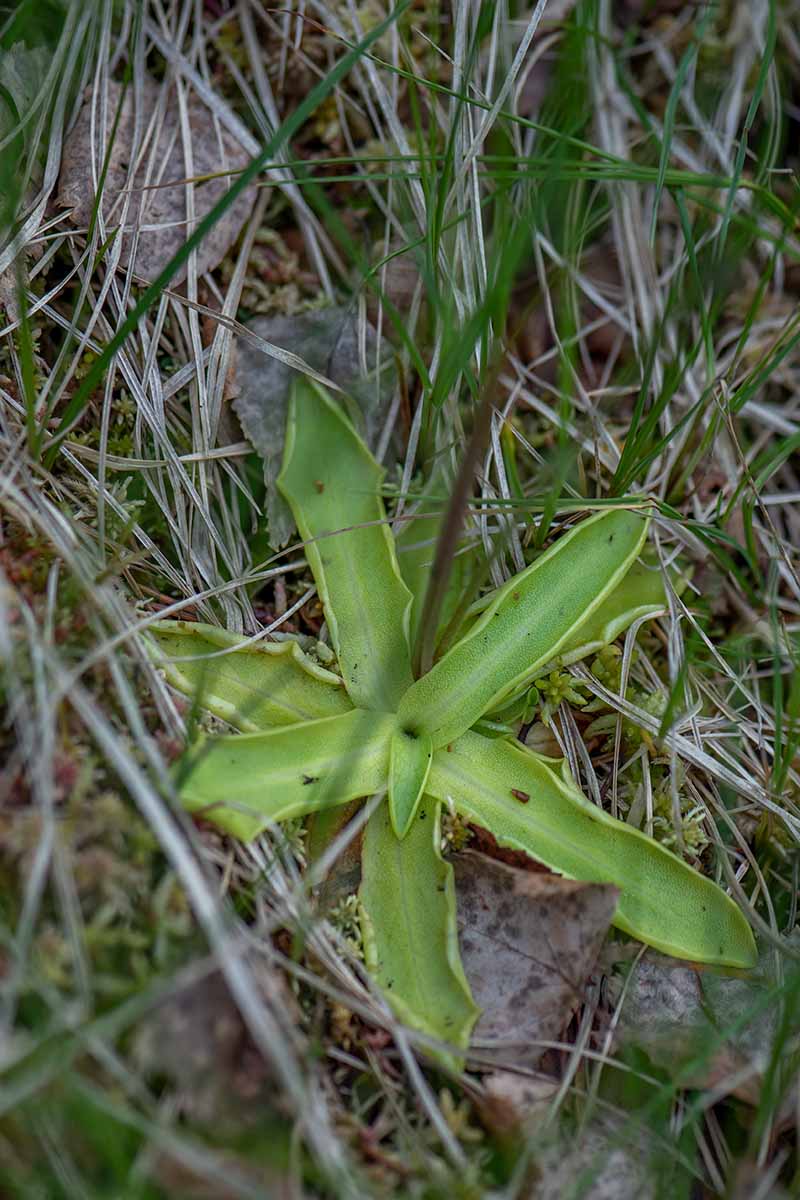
(345, 918)
(556, 688)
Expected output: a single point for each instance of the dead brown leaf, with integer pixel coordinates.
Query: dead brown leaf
(597, 1163)
(198, 1041)
(510, 1103)
(716, 1029)
(160, 212)
(528, 943)
(328, 340)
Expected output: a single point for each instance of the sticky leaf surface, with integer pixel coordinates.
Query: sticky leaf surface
(526, 624)
(640, 593)
(331, 482)
(409, 763)
(253, 686)
(245, 781)
(409, 922)
(527, 806)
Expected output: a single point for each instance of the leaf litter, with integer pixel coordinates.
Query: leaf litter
(717, 1029)
(528, 943)
(196, 1038)
(330, 341)
(693, 982)
(147, 177)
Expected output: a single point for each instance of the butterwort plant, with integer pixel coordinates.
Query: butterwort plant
(316, 734)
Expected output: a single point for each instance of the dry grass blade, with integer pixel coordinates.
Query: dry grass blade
(573, 232)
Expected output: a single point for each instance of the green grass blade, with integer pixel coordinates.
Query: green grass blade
(252, 687)
(525, 626)
(764, 162)
(409, 923)
(670, 112)
(409, 763)
(246, 781)
(527, 806)
(332, 483)
(416, 548)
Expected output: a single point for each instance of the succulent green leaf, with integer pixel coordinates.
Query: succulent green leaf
(244, 782)
(332, 483)
(527, 623)
(526, 805)
(640, 594)
(410, 757)
(252, 687)
(408, 919)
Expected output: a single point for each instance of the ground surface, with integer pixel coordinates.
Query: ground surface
(583, 214)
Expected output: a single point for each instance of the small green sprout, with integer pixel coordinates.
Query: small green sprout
(295, 837)
(335, 736)
(607, 668)
(456, 833)
(345, 917)
(554, 689)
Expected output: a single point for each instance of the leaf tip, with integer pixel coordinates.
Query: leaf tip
(410, 760)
